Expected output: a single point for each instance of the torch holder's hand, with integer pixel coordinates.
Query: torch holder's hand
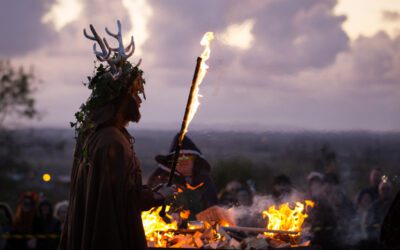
(168, 192)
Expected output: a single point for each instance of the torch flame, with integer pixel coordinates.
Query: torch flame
(206, 42)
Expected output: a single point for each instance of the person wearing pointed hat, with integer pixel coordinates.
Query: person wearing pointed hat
(192, 175)
(107, 195)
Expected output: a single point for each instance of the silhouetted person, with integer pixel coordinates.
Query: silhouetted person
(46, 224)
(283, 190)
(390, 230)
(378, 210)
(192, 175)
(314, 185)
(23, 221)
(60, 212)
(107, 196)
(236, 194)
(5, 223)
(374, 180)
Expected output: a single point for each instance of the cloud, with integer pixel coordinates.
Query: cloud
(300, 69)
(364, 17)
(239, 34)
(63, 12)
(21, 27)
(390, 16)
(139, 12)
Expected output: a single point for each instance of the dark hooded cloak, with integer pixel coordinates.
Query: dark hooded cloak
(107, 196)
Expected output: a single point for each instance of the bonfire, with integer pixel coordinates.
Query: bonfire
(216, 229)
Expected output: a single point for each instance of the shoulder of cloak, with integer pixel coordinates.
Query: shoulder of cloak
(108, 137)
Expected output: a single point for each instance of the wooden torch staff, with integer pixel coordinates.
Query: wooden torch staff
(182, 132)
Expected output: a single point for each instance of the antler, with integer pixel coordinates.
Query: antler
(105, 54)
(121, 52)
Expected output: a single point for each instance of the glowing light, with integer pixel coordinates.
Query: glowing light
(139, 13)
(239, 35)
(63, 12)
(366, 17)
(46, 177)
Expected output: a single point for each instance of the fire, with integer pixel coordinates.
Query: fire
(206, 42)
(157, 231)
(190, 187)
(287, 218)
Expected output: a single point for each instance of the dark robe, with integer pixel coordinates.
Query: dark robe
(107, 196)
(390, 231)
(197, 200)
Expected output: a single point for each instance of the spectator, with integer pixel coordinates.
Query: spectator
(46, 224)
(236, 194)
(283, 190)
(314, 188)
(374, 180)
(378, 209)
(60, 212)
(343, 210)
(5, 223)
(23, 221)
(362, 203)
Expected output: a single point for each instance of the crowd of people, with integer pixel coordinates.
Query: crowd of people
(35, 223)
(335, 222)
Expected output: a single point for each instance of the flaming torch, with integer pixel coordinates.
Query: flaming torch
(192, 102)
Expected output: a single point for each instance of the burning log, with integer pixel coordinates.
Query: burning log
(217, 230)
(258, 230)
(216, 214)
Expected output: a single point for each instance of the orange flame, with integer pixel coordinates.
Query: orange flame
(287, 218)
(206, 42)
(156, 229)
(190, 187)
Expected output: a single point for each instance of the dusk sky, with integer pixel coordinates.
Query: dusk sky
(275, 64)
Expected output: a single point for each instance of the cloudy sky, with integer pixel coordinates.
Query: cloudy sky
(275, 64)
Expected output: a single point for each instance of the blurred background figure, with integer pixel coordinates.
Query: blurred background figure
(378, 210)
(391, 226)
(283, 190)
(60, 212)
(46, 224)
(23, 221)
(314, 185)
(336, 199)
(362, 203)
(236, 194)
(5, 223)
(374, 180)
(192, 175)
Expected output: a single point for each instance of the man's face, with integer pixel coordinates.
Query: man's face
(315, 186)
(185, 165)
(134, 101)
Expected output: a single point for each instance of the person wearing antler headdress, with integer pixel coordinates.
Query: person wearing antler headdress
(107, 195)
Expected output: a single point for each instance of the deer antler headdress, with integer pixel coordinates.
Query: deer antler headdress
(111, 80)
